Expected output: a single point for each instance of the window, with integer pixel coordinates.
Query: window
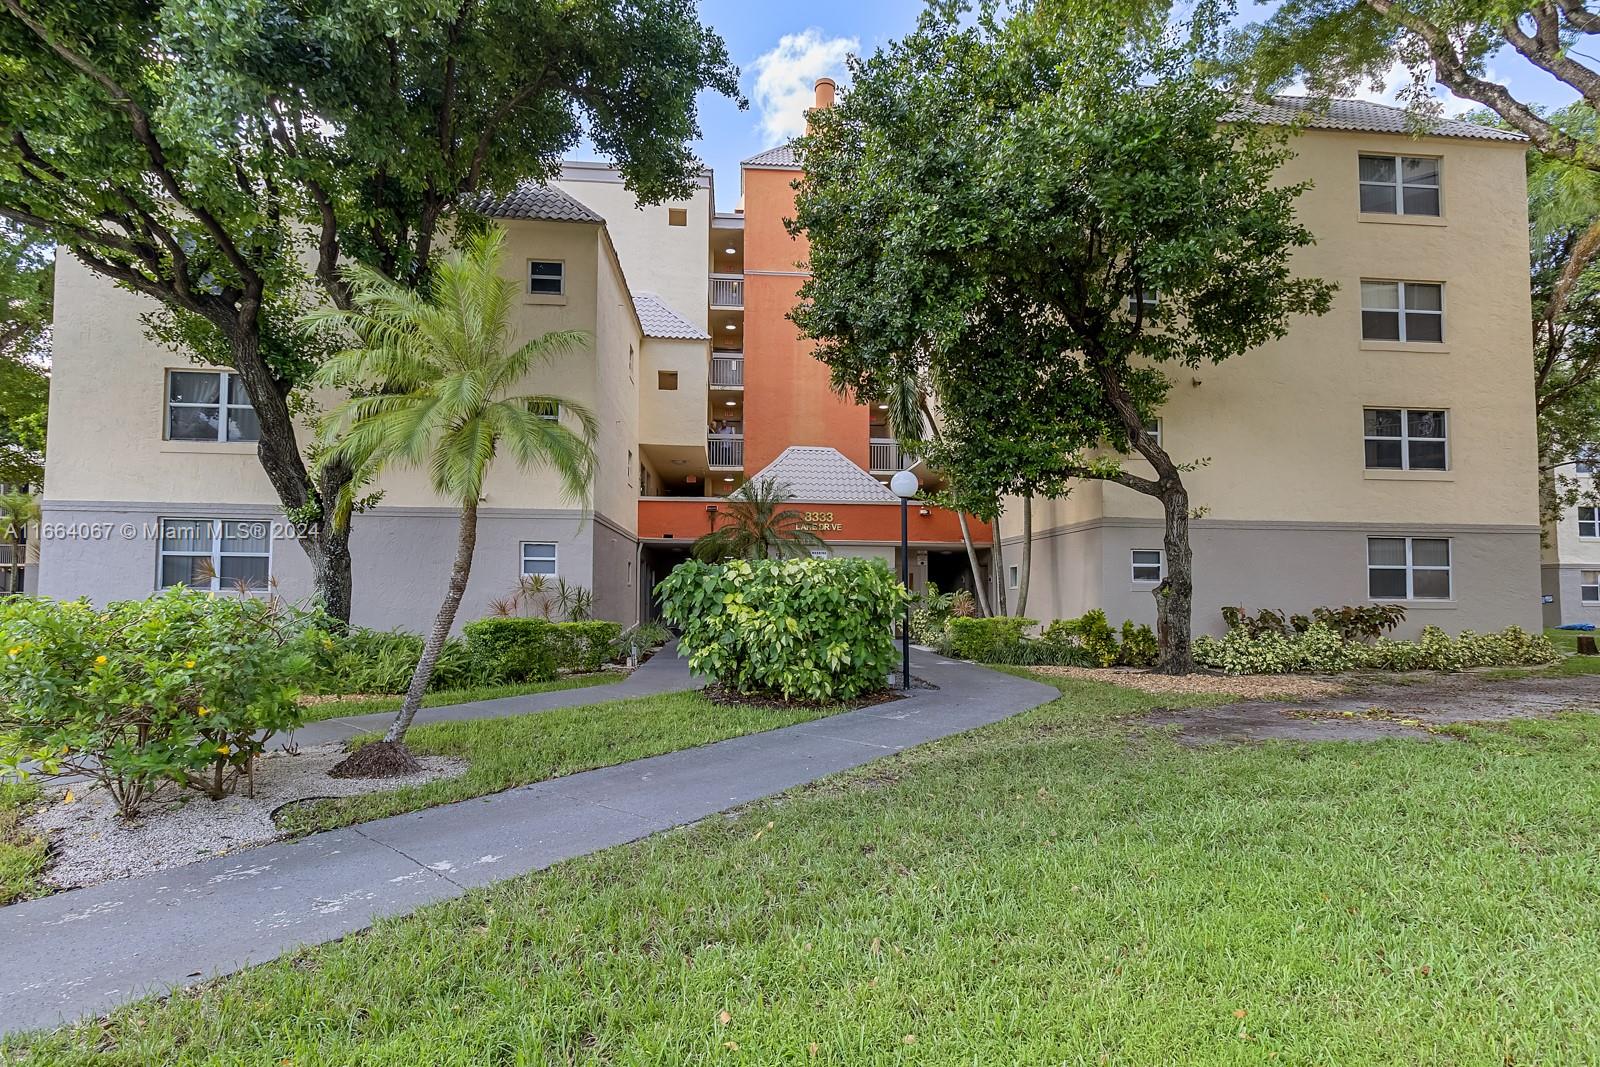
(1403, 439)
(1402, 311)
(1408, 568)
(667, 379)
(1013, 576)
(209, 406)
(1145, 299)
(1589, 523)
(539, 557)
(1589, 589)
(1586, 461)
(1399, 185)
(1152, 430)
(216, 553)
(545, 277)
(1147, 564)
(677, 216)
(548, 410)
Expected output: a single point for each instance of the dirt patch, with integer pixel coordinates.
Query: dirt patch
(1416, 709)
(89, 844)
(1251, 687)
(719, 694)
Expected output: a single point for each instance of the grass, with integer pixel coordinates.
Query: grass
(519, 749)
(335, 709)
(22, 855)
(1060, 888)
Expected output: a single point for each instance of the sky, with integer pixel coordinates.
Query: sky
(782, 48)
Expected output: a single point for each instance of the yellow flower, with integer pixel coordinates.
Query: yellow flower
(204, 711)
(223, 750)
(189, 663)
(13, 650)
(99, 661)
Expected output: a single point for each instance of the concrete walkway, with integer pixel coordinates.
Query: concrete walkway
(88, 950)
(662, 673)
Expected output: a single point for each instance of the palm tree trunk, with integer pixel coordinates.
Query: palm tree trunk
(466, 541)
(972, 561)
(1000, 607)
(1027, 555)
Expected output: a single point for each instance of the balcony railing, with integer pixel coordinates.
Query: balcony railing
(887, 455)
(725, 450)
(727, 291)
(727, 372)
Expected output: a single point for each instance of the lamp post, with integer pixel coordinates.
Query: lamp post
(904, 485)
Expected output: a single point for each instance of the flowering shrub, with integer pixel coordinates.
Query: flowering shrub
(1322, 649)
(808, 629)
(180, 687)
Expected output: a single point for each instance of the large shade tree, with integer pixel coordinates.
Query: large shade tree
(227, 164)
(27, 278)
(1042, 210)
(438, 384)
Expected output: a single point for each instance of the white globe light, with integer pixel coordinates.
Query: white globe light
(904, 485)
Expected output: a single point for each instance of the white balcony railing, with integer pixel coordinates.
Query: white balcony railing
(727, 372)
(887, 455)
(725, 450)
(727, 291)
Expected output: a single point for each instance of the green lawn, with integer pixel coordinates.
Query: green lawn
(519, 749)
(1063, 888)
(334, 709)
(22, 855)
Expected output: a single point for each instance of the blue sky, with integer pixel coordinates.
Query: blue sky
(781, 49)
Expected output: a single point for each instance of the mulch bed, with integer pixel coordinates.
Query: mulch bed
(719, 694)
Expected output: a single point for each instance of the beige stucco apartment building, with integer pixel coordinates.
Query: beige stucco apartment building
(1382, 452)
(1375, 453)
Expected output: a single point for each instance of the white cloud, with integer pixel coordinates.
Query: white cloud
(784, 77)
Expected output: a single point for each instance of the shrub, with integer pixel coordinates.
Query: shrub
(181, 687)
(646, 637)
(1091, 632)
(1361, 622)
(512, 649)
(1040, 653)
(1323, 649)
(584, 646)
(1138, 647)
(811, 629)
(981, 640)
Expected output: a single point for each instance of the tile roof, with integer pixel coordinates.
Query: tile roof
(1362, 115)
(659, 320)
(823, 476)
(782, 157)
(533, 200)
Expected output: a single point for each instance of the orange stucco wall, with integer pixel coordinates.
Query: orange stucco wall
(686, 518)
(787, 397)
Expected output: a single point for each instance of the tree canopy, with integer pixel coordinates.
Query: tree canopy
(27, 277)
(1037, 211)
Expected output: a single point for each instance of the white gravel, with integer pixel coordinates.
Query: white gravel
(90, 844)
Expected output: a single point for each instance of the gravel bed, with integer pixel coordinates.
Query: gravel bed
(1250, 687)
(90, 844)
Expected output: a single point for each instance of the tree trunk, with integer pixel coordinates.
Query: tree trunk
(1175, 594)
(466, 541)
(999, 571)
(1027, 555)
(331, 579)
(972, 561)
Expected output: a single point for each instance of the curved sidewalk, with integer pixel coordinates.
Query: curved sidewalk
(88, 950)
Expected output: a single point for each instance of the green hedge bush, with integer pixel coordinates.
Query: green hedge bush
(180, 687)
(981, 640)
(801, 629)
(584, 646)
(515, 649)
(1321, 649)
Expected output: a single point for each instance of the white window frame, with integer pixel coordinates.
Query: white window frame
(1589, 587)
(1134, 566)
(221, 408)
(560, 276)
(218, 582)
(1149, 298)
(1013, 575)
(1405, 439)
(525, 558)
(1399, 185)
(1411, 568)
(1401, 311)
(1586, 461)
(549, 414)
(1591, 524)
(1152, 430)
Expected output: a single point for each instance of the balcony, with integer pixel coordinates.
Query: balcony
(887, 456)
(727, 371)
(725, 451)
(727, 291)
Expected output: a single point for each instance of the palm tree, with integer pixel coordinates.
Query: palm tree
(756, 525)
(432, 376)
(18, 511)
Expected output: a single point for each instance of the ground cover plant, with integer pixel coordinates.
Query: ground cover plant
(1063, 887)
(519, 749)
(1320, 648)
(22, 854)
(368, 705)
